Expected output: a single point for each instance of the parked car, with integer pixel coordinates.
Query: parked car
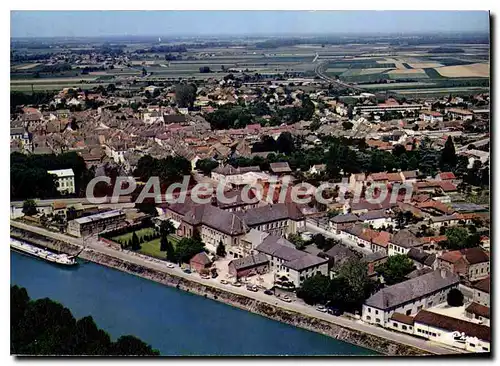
(215, 274)
(335, 311)
(236, 284)
(286, 298)
(170, 265)
(186, 270)
(321, 308)
(252, 288)
(268, 292)
(224, 282)
(205, 276)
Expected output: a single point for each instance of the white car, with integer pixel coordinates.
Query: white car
(286, 299)
(321, 308)
(224, 282)
(170, 265)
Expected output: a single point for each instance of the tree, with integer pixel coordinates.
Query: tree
(455, 298)
(45, 327)
(163, 244)
(459, 238)
(448, 156)
(297, 240)
(314, 289)
(171, 254)
(187, 248)
(185, 95)
(395, 268)
(355, 274)
(166, 228)
(206, 165)
(30, 207)
(135, 242)
(221, 249)
(347, 125)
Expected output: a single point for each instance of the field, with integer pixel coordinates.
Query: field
(417, 67)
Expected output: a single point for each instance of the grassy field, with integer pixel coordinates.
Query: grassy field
(140, 233)
(152, 248)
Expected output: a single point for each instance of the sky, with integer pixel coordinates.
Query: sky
(164, 23)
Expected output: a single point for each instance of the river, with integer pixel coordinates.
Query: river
(170, 320)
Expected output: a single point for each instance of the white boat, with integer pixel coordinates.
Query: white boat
(23, 247)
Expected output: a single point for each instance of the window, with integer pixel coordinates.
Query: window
(485, 349)
(419, 307)
(369, 310)
(404, 327)
(377, 320)
(368, 317)
(419, 330)
(472, 345)
(376, 311)
(430, 303)
(395, 325)
(408, 312)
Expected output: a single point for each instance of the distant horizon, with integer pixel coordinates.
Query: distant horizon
(234, 24)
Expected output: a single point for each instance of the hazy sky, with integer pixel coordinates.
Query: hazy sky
(107, 23)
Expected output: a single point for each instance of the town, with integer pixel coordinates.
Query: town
(414, 263)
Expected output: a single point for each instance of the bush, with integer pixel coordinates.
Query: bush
(455, 298)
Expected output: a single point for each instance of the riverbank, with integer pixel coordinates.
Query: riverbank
(275, 311)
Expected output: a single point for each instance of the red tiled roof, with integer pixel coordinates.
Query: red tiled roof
(402, 318)
(448, 186)
(447, 175)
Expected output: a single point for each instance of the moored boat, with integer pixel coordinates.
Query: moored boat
(23, 247)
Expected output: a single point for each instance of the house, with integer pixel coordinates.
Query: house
(338, 255)
(472, 263)
(65, 180)
(458, 113)
(482, 292)
(422, 259)
(408, 297)
(200, 262)
(237, 176)
(431, 116)
(280, 168)
(446, 176)
(410, 176)
(286, 260)
(435, 222)
(402, 242)
(478, 312)
(361, 235)
(452, 331)
(249, 266)
(341, 222)
(377, 218)
(373, 260)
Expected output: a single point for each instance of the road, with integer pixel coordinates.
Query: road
(294, 306)
(319, 71)
(310, 226)
(123, 202)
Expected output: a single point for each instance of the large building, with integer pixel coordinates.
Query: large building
(409, 297)
(65, 180)
(472, 263)
(97, 223)
(286, 260)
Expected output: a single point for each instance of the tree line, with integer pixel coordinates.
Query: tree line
(45, 327)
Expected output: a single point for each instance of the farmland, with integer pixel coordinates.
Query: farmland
(384, 66)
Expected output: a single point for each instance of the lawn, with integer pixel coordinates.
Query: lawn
(126, 237)
(152, 248)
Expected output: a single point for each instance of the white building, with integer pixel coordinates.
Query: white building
(97, 223)
(408, 297)
(65, 180)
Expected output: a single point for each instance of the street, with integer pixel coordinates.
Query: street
(293, 306)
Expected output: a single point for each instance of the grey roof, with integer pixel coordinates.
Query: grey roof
(255, 237)
(231, 170)
(280, 167)
(443, 218)
(174, 118)
(16, 130)
(293, 258)
(340, 219)
(269, 213)
(418, 272)
(403, 292)
(375, 256)
(306, 261)
(467, 207)
(250, 261)
(404, 238)
(214, 217)
(339, 252)
(374, 214)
